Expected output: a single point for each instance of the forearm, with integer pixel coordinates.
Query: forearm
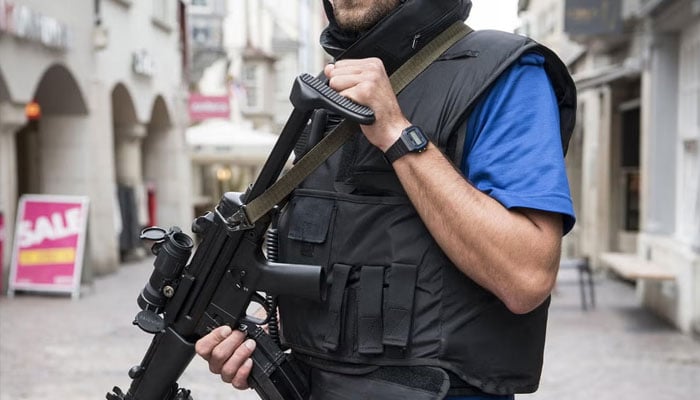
(513, 254)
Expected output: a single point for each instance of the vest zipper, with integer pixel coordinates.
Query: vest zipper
(434, 27)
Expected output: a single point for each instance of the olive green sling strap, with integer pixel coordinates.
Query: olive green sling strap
(276, 193)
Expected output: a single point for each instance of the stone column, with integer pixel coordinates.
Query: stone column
(168, 169)
(128, 149)
(595, 176)
(11, 120)
(128, 153)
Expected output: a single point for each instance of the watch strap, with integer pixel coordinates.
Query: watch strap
(396, 151)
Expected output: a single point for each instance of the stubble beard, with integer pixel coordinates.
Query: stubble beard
(361, 15)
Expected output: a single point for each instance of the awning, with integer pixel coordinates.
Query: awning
(603, 76)
(224, 141)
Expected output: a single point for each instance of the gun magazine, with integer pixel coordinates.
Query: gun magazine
(275, 375)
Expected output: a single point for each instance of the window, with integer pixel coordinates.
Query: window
(162, 16)
(125, 3)
(688, 191)
(252, 86)
(201, 34)
(201, 6)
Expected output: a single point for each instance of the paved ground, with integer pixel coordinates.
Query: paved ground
(52, 347)
(617, 351)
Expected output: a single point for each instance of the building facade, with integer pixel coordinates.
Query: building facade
(205, 27)
(269, 44)
(265, 45)
(634, 162)
(108, 78)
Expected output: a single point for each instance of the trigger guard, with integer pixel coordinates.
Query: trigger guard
(259, 299)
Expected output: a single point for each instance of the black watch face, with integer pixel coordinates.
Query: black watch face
(415, 139)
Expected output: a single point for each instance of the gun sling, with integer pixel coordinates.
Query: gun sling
(275, 194)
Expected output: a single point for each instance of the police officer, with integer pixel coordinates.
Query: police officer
(440, 224)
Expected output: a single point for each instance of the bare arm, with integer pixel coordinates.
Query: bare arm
(512, 253)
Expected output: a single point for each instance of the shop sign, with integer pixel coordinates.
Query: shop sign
(23, 22)
(142, 63)
(2, 245)
(207, 107)
(47, 253)
(593, 17)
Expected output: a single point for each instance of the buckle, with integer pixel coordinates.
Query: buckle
(239, 221)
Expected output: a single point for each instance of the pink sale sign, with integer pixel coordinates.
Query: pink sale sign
(49, 243)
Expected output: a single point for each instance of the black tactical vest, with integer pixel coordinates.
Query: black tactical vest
(395, 299)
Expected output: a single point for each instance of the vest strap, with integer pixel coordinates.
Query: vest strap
(335, 302)
(399, 304)
(369, 310)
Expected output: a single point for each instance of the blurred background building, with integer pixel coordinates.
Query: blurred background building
(154, 108)
(634, 162)
(245, 53)
(103, 80)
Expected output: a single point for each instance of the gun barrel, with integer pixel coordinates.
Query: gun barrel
(308, 281)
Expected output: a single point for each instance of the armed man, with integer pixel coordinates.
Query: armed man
(439, 225)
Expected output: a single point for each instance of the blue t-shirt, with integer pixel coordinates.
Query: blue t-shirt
(513, 150)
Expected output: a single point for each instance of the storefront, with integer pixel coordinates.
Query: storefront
(106, 114)
(672, 197)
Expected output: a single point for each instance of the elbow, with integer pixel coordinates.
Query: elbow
(530, 291)
(525, 305)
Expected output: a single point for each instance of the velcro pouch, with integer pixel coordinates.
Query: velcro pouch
(369, 310)
(398, 304)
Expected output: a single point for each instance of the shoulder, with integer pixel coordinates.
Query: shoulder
(521, 89)
(490, 47)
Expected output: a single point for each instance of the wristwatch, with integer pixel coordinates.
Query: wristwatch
(412, 140)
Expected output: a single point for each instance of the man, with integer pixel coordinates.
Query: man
(442, 255)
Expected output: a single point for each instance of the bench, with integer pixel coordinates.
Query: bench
(631, 267)
(585, 277)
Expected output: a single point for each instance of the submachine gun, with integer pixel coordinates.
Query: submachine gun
(183, 301)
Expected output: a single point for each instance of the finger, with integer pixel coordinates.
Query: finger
(232, 365)
(206, 344)
(221, 354)
(328, 70)
(364, 66)
(240, 381)
(359, 62)
(344, 82)
(349, 70)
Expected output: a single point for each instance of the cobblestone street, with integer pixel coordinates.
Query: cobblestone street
(52, 347)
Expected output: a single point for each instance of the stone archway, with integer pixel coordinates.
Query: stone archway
(128, 138)
(11, 118)
(50, 153)
(166, 167)
(4, 91)
(47, 155)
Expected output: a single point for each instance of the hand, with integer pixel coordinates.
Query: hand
(228, 353)
(366, 82)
